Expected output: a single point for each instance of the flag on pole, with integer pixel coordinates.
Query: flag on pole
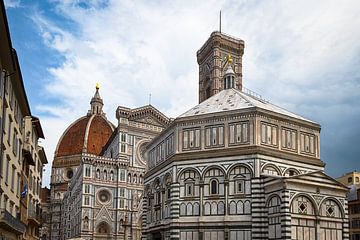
(24, 192)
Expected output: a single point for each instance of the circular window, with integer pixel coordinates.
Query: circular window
(69, 173)
(104, 196)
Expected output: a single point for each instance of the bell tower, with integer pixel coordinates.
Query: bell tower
(213, 61)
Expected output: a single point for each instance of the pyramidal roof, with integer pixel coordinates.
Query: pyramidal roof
(234, 99)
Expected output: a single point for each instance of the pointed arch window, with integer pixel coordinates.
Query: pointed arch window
(105, 175)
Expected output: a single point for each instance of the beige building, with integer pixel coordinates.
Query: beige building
(21, 158)
(351, 178)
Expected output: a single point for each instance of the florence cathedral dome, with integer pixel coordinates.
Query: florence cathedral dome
(88, 134)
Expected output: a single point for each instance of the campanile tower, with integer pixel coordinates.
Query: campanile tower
(213, 61)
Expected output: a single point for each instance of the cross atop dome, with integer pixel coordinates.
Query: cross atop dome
(96, 102)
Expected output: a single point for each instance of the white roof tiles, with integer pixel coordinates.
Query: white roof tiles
(233, 99)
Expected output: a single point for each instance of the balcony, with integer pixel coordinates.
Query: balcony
(33, 216)
(7, 221)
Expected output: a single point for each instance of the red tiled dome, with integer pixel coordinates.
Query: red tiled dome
(88, 134)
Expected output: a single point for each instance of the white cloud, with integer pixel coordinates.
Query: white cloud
(12, 3)
(296, 52)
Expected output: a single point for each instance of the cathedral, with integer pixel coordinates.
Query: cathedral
(233, 167)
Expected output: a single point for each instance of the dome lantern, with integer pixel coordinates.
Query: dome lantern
(96, 102)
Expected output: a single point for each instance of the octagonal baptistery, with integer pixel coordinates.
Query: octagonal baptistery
(238, 167)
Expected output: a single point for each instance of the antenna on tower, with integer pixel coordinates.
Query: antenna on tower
(150, 99)
(220, 22)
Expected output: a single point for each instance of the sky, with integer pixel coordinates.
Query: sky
(301, 55)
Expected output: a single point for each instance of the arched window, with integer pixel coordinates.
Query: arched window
(105, 174)
(111, 175)
(98, 173)
(213, 187)
(86, 223)
(129, 178)
(135, 178)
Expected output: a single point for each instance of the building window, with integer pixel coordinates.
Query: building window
(189, 189)
(268, 134)
(123, 137)
(239, 186)
(123, 148)
(122, 198)
(18, 184)
(13, 178)
(87, 201)
(214, 136)
(191, 138)
(69, 173)
(357, 179)
(170, 145)
(168, 193)
(239, 133)
(214, 187)
(87, 172)
(105, 175)
(7, 171)
(288, 139)
(302, 207)
(15, 142)
(350, 180)
(9, 129)
(1, 165)
(122, 175)
(87, 188)
(307, 143)
(104, 196)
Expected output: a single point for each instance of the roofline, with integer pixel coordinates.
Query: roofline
(63, 134)
(43, 153)
(318, 171)
(105, 147)
(21, 81)
(249, 110)
(7, 30)
(36, 123)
